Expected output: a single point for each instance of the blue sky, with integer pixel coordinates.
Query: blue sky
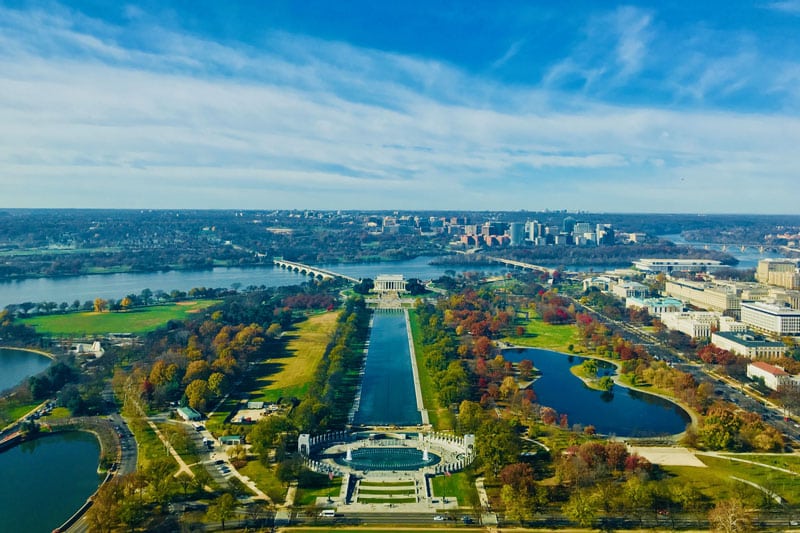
(636, 107)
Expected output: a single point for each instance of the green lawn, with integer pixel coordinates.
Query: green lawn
(138, 320)
(789, 462)
(459, 485)
(12, 411)
(290, 372)
(715, 481)
(149, 445)
(265, 479)
(539, 334)
(312, 486)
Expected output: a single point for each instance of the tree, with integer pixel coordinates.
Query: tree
(525, 368)
(730, 516)
(508, 387)
(274, 330)
(606, 383)
(470, 417)
(146, 295)
(222, 508)
(217, 383)
(185, 481)
(197, 394)
(583, 508)
(497, 444)
(100, 305)
(103, 515)
(638, 497)
(288, 470)
(199, 369)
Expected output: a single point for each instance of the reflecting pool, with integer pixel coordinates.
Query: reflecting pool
(387, 387)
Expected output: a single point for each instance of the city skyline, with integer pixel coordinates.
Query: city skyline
(639, 107)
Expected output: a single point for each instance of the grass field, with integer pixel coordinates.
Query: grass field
(539, 334)
(265, 479)
(149, 446)
(459, 485)
(715, 481)
(312, 486)
(12, 411)
(289, 373)
(139, 320)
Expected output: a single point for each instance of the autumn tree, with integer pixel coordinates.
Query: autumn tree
(731, 516)
(100, 305)
(470, 417)
(525, 368)
(583, 507)
(197, 394)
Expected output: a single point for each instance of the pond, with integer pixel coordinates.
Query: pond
(622, 412)
(46, 480)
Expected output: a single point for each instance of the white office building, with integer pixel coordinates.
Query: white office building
(629, 289)
(771, 319)
(696, 324)
(677, 265)
(748, 345)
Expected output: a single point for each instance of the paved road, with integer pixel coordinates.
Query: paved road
(725, 387)
(128, 460)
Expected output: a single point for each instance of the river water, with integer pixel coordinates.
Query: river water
(46, 480)
(387, 387)
(116, 286)
(16, 365)
(622, 412)
(748, 258)
(83, 288)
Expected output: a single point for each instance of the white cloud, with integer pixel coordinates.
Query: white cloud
(308, 123)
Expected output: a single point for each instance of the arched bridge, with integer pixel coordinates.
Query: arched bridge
(319, 273)
(521, 265)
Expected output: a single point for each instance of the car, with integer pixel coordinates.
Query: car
(439, 518)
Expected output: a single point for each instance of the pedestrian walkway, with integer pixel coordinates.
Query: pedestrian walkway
(182, 466)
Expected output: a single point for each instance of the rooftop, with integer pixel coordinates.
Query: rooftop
(771, 309)
(772, 369)
(746, 339)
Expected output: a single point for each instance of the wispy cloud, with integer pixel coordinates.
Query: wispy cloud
(786, 6)
(512, 51)
(87, 119)
(614, 49)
